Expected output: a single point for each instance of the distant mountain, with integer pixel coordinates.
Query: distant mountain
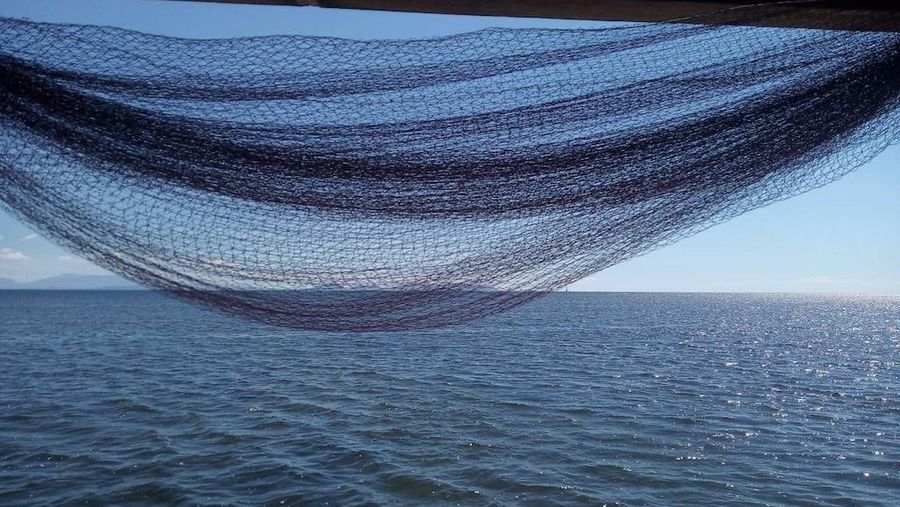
(71, 282)
(6, 283)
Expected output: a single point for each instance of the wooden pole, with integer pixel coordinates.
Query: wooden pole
(863, 15)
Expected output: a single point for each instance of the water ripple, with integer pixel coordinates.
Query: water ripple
(579, 399)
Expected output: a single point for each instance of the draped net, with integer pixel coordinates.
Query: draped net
(334, 184)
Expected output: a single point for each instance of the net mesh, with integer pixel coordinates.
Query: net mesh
(334, 184)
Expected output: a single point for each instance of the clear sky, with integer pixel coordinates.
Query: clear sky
(844, 237)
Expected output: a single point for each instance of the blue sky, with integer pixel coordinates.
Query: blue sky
(840, 238)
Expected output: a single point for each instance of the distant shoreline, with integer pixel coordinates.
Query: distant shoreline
(138, 288)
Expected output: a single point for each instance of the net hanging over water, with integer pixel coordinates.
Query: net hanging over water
(333, 184)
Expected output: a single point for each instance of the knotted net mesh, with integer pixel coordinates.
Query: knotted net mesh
(334, 184)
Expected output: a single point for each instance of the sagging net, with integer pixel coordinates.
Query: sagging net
(333, 184)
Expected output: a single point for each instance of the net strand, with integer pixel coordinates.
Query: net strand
(345, 185)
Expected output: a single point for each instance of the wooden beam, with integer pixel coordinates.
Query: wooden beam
(863, 15)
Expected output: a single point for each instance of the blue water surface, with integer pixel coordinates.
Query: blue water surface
(577, 399)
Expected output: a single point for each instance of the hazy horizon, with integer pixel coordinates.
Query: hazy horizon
(111, 281)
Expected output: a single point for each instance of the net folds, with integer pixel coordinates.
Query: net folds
(335, 184)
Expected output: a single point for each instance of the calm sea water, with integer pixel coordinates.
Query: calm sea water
(578, 399)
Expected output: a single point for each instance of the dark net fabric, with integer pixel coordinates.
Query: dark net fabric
(332, 184)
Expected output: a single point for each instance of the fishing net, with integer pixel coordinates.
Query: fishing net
(334, 184)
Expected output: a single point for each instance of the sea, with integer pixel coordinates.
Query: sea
(131, 398)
